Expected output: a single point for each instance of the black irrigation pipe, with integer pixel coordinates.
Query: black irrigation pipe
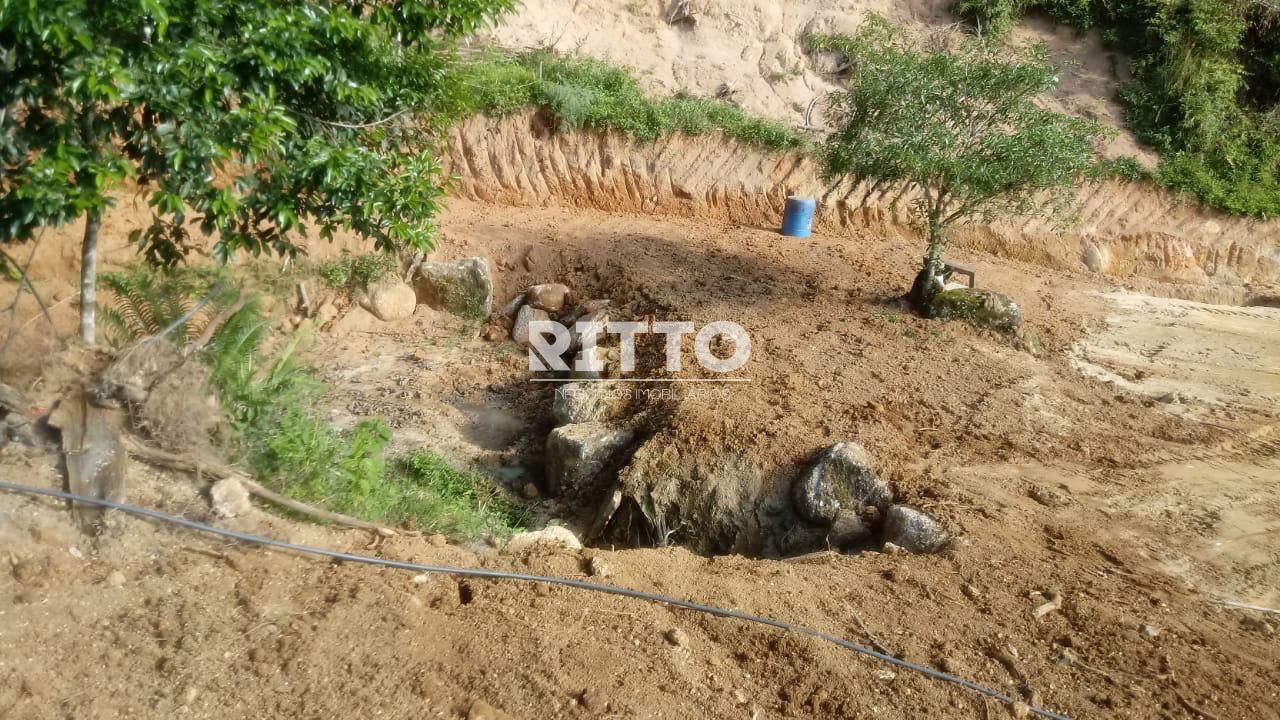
(502, 575)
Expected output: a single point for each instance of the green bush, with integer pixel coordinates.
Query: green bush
(354, 271)
(1205, 90)
(465, 502)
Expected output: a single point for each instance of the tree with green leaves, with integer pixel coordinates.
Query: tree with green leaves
(956, 126)
(249, 121)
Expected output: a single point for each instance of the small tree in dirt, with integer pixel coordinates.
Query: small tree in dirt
(956, 126)
(244, 118)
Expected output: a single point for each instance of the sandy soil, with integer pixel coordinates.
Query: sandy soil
(1141, 513)
(755, 49)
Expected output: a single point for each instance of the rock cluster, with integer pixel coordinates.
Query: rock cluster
(842, 496)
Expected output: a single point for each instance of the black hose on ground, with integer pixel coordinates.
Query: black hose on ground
(503, 575)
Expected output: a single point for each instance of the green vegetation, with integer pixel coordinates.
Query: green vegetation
(290, 449)
(256, 116)
(145, 301)
(268, 399)
(355, 271)
(1205, 88)
(958, 127)
(582, 92)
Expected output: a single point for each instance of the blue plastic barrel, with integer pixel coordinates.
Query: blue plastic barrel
(797, 218)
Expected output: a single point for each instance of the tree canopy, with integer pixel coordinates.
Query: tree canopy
(258, 117)
(958, 125)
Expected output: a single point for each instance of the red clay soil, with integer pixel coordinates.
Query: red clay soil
(1034, 466)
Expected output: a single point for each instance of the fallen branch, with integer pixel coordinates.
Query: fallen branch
(161, 458)
(875, 644)
(218, 321)
(24, 282)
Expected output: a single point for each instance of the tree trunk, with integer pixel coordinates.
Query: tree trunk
(926, 284)
(89, 278)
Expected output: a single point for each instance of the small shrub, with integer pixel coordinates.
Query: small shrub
(1127, 169)
(355, 271)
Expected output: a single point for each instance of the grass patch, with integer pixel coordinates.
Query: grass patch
(290, 449)
(268, 398)
(355, 271)
(583, 92)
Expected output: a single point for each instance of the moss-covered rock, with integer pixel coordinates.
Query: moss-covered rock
(983, 308)
(462, 287)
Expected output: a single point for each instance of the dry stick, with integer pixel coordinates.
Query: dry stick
(1245, 606)
(25, 282)
(875, 644)
(218, 321)
(1193, 707)
(156, 456)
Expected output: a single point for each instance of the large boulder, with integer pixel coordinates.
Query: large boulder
(980, 307)
(597, 312)
(577, 453)
(551, 297)
(589, 402)
(390, 300)
(463, 287)
(913, 530)
(527, 314)
(843, 478)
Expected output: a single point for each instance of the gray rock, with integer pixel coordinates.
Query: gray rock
(843, 478)
(848, 530)
(390, 300)
(16, 429)
(576, 453)
(551, 297)
(981, 307)
(598, 315)
(551, 538)
(463, 287)
(511, 307)
(527, 314)
(913, 530)
(589, 402)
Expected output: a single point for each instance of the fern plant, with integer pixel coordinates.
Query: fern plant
(143, 302)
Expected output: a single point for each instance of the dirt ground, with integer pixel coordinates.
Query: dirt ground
(1145, 516)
